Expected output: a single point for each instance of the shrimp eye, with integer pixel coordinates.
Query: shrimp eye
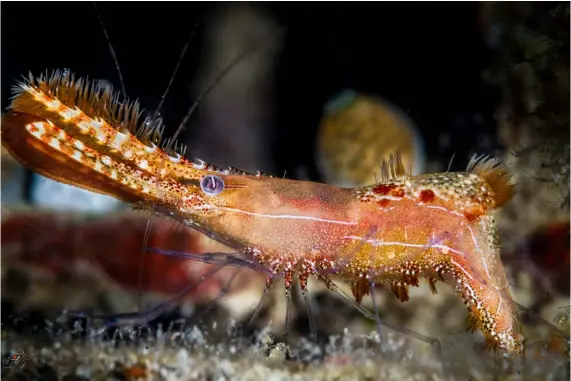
(212, 185)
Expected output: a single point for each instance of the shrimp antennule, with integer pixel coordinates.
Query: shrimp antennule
(144, 317)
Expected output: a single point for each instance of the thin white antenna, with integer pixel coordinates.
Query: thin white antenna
(115, 60)
(180, 59)
(450, 163)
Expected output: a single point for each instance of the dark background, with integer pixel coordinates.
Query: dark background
(425, 57)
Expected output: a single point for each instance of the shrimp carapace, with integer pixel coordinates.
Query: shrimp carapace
(437, 227)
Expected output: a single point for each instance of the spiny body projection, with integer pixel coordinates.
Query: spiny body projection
(437, 227)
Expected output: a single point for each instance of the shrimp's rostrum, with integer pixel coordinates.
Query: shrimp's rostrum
(438, 227)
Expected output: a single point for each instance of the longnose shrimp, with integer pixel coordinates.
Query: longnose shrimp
(438, 226)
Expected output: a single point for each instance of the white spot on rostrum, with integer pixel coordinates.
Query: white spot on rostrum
(106, 160)
(55, 143)
(175, 159)
(84, 126)
(150, 149)
(100, 136)
(97, 123)
(199, 165)
(79, 145)
(68, 113)
(119, 139)
(144, 164)
(37, 131)
(54, 104)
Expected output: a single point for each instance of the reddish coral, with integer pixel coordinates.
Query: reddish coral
(113, 244)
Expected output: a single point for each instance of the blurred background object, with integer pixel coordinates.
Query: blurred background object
(75, 250)
(531, 71)
(46, 193)
(532, 74)
(357, 133)
(237, 116)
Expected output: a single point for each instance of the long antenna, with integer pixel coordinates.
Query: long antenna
(180, 59)
(148, 227)
(115, 60)
(146, 235)
(214, 83)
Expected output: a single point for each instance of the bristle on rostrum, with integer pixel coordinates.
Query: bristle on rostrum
(87, 109)
(82, 133)
(96, 99)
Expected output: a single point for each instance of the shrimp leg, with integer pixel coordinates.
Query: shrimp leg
(312, 327)
(222, 292)
(261, 302)
(233, 259)
(135, 318)
(229, 259)
(366, 313)
(367, 285)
